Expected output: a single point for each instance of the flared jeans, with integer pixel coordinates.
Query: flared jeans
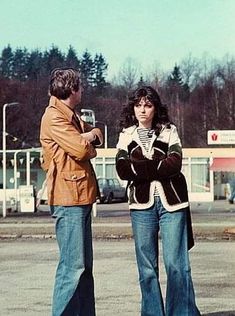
(180, 298)
(74, 285)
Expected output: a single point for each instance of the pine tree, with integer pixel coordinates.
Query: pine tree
(177, 88)
(100, 72)
(71, 59)
(141, 82)
(178, 94)
(6, 62)
(34, 64)
(53, 59)
(19, 62)
(175, 78)
(87, 70)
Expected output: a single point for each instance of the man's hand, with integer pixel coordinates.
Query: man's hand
(94, 136)
(98, 137)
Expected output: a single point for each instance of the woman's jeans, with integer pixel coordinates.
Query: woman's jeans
(180, 298)
(74, 285)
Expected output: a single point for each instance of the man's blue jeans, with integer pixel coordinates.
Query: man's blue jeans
(180, 298)
(74, 284)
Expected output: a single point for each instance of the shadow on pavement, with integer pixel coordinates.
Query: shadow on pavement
(226, 313)
(115, 214)
(38, 213)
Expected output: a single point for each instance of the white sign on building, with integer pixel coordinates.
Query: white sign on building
(221, 137)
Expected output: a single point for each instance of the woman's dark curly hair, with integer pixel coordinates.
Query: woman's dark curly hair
(161, 113)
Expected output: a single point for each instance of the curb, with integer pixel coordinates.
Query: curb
(116, 233)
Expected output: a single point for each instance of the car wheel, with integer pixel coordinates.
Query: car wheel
(125, 199)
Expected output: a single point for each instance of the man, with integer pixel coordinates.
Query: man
(68, 145)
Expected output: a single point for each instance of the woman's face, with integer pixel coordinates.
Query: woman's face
(144, 112)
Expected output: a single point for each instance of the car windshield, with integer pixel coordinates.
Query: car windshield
(102, 182)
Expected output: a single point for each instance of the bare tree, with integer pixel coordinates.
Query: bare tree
(189, 69)
(129, 74)
(155, 76)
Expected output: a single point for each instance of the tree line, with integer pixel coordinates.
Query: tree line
(199, 93)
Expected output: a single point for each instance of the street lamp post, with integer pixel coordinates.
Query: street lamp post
(88, 116)
(105, 133)
(4, 134)
(105, 136)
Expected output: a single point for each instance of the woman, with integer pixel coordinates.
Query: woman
(150, 158)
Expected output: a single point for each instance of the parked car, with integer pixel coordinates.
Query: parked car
(111, 189)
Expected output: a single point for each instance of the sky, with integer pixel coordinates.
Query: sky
(149, 32)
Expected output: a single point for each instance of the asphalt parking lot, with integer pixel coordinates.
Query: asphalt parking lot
(211, 221)
(28, 267)
(28, 258)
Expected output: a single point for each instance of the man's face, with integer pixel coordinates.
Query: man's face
(76, 96)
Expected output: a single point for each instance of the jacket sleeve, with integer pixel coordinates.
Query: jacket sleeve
(172, 164)
(68, 138)
(126, 168)
(169, 166)
(86, 127)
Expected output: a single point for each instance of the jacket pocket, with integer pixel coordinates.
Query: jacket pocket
(73, 175)
(74, 185)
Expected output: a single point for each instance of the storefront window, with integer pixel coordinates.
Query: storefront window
(185, 170)
(200, 175)
(110, 171)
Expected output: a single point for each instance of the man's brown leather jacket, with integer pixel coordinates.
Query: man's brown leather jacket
(66, 157)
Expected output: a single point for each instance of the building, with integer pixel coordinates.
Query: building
(207, 170)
